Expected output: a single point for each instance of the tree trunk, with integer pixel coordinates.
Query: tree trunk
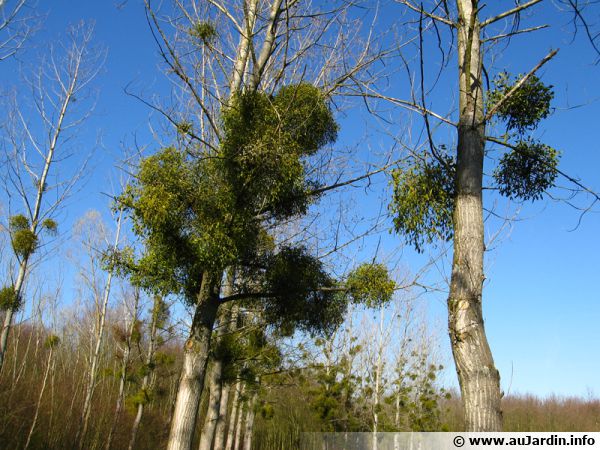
(39, 402)
(123, 374)
(93, 373)
(195, 358)
(10, 312)
(378, 370)
(479, 380)
(146, 380)
(215, 379)
(240, 418)
(214, 403)
(233, 417)
(250, 422)
(222, 419)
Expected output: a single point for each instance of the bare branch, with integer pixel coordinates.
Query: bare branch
(520, 83)
(510, 12)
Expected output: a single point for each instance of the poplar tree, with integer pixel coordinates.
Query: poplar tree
(439, 196)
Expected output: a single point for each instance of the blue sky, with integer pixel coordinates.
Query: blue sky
(542, 299)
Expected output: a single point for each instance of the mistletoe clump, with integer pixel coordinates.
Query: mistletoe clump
(423, 202)
(9, 300)
(302, 294)
(526, 106)
(370, 285)
(267, 139)
(527, 171)
(204, 31)
(24, 241)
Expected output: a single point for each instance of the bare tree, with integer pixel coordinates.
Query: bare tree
(157, 319)
(15, 26)
(33, 148)
(129, 336)
(95, 248)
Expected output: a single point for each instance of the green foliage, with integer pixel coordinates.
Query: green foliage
(51, 341)
(206, 214)
(371, 285)
(50, 225)
(141, 397)
(181, 210)
(24, 241)
(9, 299)
(184, 127)
(524, 109)
(423, 202)
(160, 312)
(18, 222)
(204, 31)
(527, 171)
(303, 295)
(266, 139)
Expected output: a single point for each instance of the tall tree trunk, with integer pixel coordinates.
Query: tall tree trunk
(479, 380)
(149, 360)
(239, 422)
(233, 417)
(215, 379)
(93, 373)
(10, 312)
(68, 89)
(214, 403)
(123, 372)
(376, 393)
(220, 431)
(195, 358)
(249, 426)
(39, 402)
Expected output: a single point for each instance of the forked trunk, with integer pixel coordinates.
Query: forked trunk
(479, 380)
(195, 358)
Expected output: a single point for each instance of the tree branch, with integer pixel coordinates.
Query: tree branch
(520, 83)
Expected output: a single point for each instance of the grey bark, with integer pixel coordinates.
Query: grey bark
(233, 417)
(249, 425)
(93, 373)
(123, 374)
(479, 380)
(215, 385)
(146, 380)
(39, 402)
(222, 419)
(195, 358)
(239, 420)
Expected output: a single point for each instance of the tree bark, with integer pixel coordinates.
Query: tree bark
(479, 380)
(233, 417)
(195, 358)
(240, 418)
(123, 374)
(215, 385)
(249, 426)
(146, 380)
(222, 419)
(39, 402)
(93, 373)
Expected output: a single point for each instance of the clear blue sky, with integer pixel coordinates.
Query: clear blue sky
(542, 298)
